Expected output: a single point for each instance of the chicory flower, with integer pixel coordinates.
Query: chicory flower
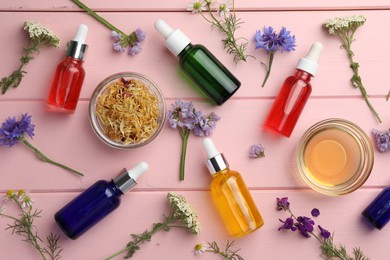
(382, 140)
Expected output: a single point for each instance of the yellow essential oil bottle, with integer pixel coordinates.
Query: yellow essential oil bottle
(230, 195)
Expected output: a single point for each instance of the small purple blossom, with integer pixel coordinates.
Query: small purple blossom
(315, 212)
(382, 140)
(305, 225)
(270, 41)
(133, 41)
(282, 204)
(287, 224)
(257, 150)
(324, 233)
(187, 119)
(12, 131)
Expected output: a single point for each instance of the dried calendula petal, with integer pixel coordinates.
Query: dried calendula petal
(128, 111)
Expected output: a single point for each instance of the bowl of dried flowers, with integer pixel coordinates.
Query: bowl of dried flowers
(127, 110)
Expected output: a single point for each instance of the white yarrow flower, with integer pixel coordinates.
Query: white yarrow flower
(37, 32)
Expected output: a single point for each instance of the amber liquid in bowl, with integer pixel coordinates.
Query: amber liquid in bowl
(332, 157)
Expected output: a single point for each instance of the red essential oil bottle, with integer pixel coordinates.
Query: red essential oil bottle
(294, 93)
(69, 76)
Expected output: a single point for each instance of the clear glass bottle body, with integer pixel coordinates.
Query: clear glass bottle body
(208, 72)
(66, 86)
(88, 208)
(289, 103)
(234, 203)
(378, 212)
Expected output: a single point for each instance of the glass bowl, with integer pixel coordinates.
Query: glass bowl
(335, 157)
(127, 110)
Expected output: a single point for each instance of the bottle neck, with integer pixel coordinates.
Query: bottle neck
(73, 60)
(115, 189)
(184, 52)
(303, 75)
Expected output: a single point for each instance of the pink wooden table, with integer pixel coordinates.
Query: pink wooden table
(70, 139)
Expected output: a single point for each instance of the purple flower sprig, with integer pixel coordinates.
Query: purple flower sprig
(273, 42)
(256, 151)
(121, 39)
(187, 119)
(13, 131)
(382, 140)
(306, 225)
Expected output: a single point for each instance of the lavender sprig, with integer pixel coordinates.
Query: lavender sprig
(273, 42)
(187, 119)
(344, 28)
(122, 40)
(227, 24)
(305, 225)
(13, 131)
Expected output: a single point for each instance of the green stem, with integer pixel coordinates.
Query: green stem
(157, 227)
(271, 59)
(185, 135)
(44, 158)
(98, 17)
(388, 96)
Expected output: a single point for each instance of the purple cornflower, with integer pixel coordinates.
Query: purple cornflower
(187, 119)
(133, 41)
(287, 224)
(272, 42)
(324, 233)
(305, 225)
(282, 204)
(382, 140)
(315, 212)
(257, 150)
(12, 131)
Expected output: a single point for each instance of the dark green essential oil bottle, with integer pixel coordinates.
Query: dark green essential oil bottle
(200, 64)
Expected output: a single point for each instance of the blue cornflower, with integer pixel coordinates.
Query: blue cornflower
(187, 119)
(257, 150)
(287, 224)
(272, 42)
(324, 233)
(13, 131)
(305, 225)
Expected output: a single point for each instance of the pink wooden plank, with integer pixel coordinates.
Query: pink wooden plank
(69, 139)
(333, 78)
(140, 209)
(181, 5)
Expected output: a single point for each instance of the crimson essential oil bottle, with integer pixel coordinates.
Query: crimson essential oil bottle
(96, 202)
(200, 64)
(69, 76)
(294, 93)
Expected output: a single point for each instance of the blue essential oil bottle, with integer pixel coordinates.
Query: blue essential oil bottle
(378, 212)
(96, 202)
(213, 78)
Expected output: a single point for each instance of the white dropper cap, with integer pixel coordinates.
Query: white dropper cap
(127, 179)
(310, 62)
(175, 40)
(216, 161)
(81, 34)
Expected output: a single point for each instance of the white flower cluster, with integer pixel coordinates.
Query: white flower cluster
(340, 24)
(38, 32)
(184, 212)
